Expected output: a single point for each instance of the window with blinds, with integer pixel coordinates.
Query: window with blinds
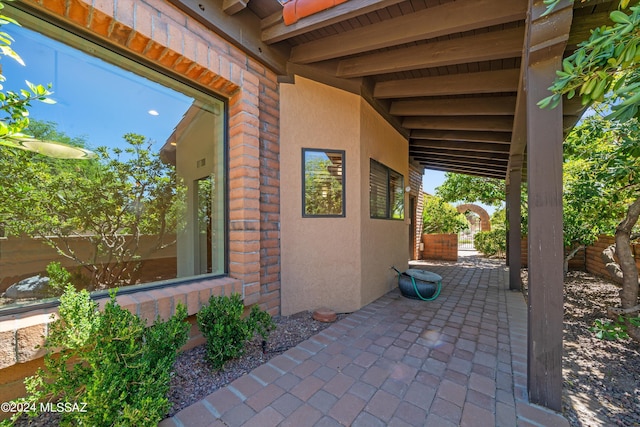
(386, 192)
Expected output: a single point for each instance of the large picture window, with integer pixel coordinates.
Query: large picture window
(323, 182)
(386, 192)
(121, 181)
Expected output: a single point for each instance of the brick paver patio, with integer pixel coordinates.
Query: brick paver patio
(457, 361)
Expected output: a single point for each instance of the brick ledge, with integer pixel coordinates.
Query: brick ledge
(22, 334)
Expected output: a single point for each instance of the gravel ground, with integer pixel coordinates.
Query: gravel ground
(601, 378)
(194, 379)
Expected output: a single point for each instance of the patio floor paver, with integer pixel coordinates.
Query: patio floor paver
(459, 360)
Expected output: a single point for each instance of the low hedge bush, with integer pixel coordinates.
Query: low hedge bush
(108, 363)
(226, 331)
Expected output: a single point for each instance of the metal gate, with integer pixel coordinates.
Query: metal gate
(465, 240)
(465, 237)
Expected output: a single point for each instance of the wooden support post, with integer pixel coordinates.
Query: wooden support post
(545, 296)
(514, 237)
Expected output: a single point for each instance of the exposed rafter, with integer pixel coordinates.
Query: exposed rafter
(486, 106)
(467, 136)
(442, 152)
(475, 48)
(474, 123)
(453, 84)
(274, 29)
(465, 146)
(423, 25)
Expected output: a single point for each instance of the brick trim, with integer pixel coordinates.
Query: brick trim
(21, 335)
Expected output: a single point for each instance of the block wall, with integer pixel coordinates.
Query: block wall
(440, 247)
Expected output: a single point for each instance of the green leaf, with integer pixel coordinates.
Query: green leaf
(619, 17)
(567, 66)
(544, 103)
(599, 89)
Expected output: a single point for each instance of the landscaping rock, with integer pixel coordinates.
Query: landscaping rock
(325, 315)
(31, 287)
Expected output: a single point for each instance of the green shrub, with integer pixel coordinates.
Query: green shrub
(614, 330)
(492, 242)
(109, 363)
(226, 331)
(440, 217)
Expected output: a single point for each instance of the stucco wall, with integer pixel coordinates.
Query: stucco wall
(320, 256)
(384, 242)
(340, 263)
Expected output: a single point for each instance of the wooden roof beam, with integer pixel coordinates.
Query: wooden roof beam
(454, 167)
(486, 106)
(499, 81)
(478, 167)
(274, 29)
(477, 48)
(502, 157)
(441, 20)
(493, 163)
(231, 7)
(472, 123)
(464, 136)
(497, 175)
(465, 146)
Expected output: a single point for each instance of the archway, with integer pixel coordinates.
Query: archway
(485, 221)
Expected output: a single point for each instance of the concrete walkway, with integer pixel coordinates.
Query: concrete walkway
(457, 361)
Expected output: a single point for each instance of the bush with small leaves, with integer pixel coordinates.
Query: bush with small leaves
(492, 242)
(226, 331)
(109, 362)
(614, 330)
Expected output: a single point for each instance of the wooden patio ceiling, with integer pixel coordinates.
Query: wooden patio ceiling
(444, 73)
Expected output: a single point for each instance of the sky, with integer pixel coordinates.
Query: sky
(432, 179)
(94, 99)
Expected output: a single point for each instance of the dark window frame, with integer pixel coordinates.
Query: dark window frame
(381, 179)
(343, 155)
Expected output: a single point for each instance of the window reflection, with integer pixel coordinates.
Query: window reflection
(323, 182)
(146, 204)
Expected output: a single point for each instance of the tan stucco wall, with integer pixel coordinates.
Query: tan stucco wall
(320, 256)
(339, 263)
(384, 242)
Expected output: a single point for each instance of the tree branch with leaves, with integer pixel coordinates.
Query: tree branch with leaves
(605, 69)
(15, 104)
